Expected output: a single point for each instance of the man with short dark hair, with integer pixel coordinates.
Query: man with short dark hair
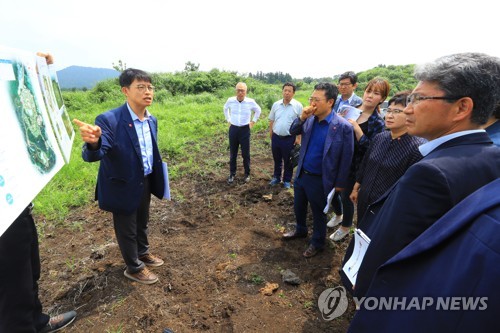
(124, 141)
(348, 82)
(282, 114)
(324, 163)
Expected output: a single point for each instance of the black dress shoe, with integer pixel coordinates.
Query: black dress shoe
(311, 251)
(293, 234)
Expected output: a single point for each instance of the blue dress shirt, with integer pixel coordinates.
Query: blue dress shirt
(144, 135)
(313, 158)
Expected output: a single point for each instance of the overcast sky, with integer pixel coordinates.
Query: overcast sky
(312, 38)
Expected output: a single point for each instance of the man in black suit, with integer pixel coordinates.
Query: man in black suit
(455, 96)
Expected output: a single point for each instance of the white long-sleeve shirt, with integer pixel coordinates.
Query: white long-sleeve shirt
(239, 113)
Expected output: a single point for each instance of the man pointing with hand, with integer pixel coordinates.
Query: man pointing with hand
(124, 140)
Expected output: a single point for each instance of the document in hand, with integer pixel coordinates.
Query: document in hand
(166, 195)
(351, 267)
(350, 112)
(329, 201)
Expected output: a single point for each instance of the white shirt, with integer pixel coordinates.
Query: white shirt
(283, 116)
(239, 113)
(428, 147)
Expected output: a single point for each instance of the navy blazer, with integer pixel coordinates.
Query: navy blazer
(120, 182)
(458, 256)
(425, 193)
(337, 154)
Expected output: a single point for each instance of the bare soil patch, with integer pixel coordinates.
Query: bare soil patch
(221, 244)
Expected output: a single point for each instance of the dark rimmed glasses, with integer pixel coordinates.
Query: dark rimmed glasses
(142, 88)
(315, 99)
(415, 98)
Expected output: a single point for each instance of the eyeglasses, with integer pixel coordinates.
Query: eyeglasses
(415, 98)
(393, 111)
(345, 84)
(315, 99)
(143, 88)
(240, 90)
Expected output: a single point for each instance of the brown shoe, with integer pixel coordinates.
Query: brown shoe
(59, 322)
(144, 276)
(151, 260)
(311, 251)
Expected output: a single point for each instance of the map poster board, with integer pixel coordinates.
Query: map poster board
(30, 154)
(59, 118)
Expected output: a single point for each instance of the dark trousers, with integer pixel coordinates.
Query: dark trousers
(308, 189)
(20, 308)
(344, 205)
(337, 204)
(281, 147)
(239, 136)
(132, 232)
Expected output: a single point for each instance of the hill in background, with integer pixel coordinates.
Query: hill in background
(83, 77)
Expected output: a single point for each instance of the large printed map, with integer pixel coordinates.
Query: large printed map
(35, 131)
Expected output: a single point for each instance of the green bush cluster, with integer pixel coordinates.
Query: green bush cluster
(105, 91)
(195, 82)
(400, 77)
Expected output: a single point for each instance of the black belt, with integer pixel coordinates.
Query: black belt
(247, 125)
(282, 136)
(310, 173)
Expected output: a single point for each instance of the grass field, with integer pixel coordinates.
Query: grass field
(186, 124)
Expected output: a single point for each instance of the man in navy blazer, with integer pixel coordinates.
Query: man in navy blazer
(455, 96)
(348, 82)
(124, 140)
(324, 162)
(451, 265)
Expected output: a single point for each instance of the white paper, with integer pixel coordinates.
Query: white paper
(59, 118)
(329, 200)
(166, 194)
(351, 267)
(350, 112)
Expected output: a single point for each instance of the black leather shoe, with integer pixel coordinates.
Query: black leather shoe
(311, 251)
(293, 234)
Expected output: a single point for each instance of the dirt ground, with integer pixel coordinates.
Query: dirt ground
(221, 244)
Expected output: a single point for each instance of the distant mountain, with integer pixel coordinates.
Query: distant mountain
(83, 77)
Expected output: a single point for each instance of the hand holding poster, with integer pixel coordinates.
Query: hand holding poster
(32, 153)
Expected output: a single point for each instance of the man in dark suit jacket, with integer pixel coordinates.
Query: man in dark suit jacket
(124, 140)
(324, 162)
(456, 257)
(455, 95)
